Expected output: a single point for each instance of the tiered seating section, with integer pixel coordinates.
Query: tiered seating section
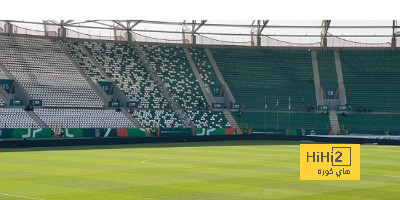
(87, 66)
(256, 74)
(371, 123)
(2, 76)
(15, 118)
(172, 66)
(169, 119)
(45, 72)
(327, 70)
(261, 121)
(208, 119)
(83, 118)
(123, 66)
(204, 66)
(157, 118)
(372, 79)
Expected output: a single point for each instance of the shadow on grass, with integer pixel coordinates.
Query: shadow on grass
(158, 145)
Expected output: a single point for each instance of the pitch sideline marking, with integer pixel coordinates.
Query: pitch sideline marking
(146, 162)
(22, 197)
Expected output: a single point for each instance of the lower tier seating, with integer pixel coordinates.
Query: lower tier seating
(157, 118)
(83, 118)
(208, 119)
(169, 119)
(261, 121)
(16, 118)
(370, 123)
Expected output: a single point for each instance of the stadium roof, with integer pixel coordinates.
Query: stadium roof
(247, 32)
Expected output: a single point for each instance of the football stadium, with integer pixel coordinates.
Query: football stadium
(195, 109)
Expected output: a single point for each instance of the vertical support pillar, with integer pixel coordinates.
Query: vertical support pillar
(193, 38)
(129, 34)
(394, 39)
(8, 28)
(62, 32)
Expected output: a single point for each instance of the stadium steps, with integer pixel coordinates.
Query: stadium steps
(219, 75)
(232, 121)
(35, 118)
(131, 119)
(317, 83)
(95, 87)
(206, 93)
(161, 86)
(342, 89)
(334, 122)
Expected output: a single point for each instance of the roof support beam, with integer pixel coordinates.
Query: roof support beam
(195, 29)
(260, 29)
(324, 32)
(119, 23)
(394, 40)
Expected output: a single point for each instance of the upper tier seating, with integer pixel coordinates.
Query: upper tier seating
(261, 121)
(204, 66)
(46, 73)
(253, 74)
(87, 66)
(208, 119)
(83, 118)
(122, 64)
(172, 66)
(2, 75)
(327, 70)
(16, 118)
(370, 123)
(372, 79)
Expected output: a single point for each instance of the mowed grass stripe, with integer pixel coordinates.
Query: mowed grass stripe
(209, 170)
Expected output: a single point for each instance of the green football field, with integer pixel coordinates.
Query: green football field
(212, 170)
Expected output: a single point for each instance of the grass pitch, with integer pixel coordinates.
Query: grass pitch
(212, 170)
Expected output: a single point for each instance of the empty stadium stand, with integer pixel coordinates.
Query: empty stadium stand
(270, 121)
(124, 67)
(204, 66)
(372, 79)
(208, 119)
(327, 71)
(370, 123)
(253, 74)
(157, 118)
(16, 118)
(83, 118)
(261, 81)
(87, 66)
(172, 66)
(46, 73)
